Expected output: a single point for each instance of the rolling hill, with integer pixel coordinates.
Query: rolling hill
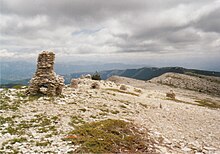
(145, 73)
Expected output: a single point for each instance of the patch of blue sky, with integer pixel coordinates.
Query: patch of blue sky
(86, 31)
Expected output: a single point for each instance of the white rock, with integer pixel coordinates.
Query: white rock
(186, 149)
(209, 148)
(166, 141)
(41, 98)
(61, 103)
(162, 149)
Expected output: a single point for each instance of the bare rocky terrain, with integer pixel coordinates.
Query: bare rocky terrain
(190, 123)
(201, 83)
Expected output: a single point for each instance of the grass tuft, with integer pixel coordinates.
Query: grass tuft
(122, 91)
(203, 103)
(207, 103)
(75, 120)
(109, 136)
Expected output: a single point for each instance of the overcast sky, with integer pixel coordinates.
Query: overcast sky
(157, 32)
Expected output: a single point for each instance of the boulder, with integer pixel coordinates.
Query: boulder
(123, 87)
(74, 83)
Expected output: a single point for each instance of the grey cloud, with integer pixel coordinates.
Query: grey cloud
(187, 35)
(84, 10)
(210, 23)
(77, 9)
(99, 27)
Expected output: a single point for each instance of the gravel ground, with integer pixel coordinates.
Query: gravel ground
(37, 125)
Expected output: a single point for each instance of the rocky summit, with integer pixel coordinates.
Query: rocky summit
(138, 118)
(172, 113)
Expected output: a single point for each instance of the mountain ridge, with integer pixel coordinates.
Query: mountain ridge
(143, 73)
(147, 73)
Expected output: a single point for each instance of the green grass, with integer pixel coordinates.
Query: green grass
(21, 94)
(203, 103)
(4, 120)
(75, 120)
(11, 128)
(208, 103)
(17, 140)
(17, 86)
(115, 112)
(12, 100)
(122, 91)
(41, 122)
(34, 97)
(6, 104)
(9, 145)
(109, 136)
(179, 101)
(43, 143)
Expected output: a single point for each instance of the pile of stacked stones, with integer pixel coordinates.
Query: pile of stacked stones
(45, 80)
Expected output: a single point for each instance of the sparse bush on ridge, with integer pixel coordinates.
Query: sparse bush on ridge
(96, 76)
(17, 86)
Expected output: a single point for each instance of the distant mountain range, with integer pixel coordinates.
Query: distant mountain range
(145, 73)
(17, 71)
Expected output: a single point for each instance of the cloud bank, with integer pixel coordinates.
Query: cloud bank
(111, 30)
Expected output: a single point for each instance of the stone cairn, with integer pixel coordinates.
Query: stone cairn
(45, 80)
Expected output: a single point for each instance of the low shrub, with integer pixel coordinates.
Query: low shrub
(110, 136)
(96, 76)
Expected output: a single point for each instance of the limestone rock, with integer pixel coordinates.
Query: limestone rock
(74, 83)
(45, 80)
(88, 76)
(123, 87)
(171, 94)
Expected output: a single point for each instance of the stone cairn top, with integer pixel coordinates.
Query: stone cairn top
(45, 80)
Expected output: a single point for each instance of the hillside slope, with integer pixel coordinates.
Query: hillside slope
(147, 73)
(19, 70)
(200, 83)
(40, 124)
